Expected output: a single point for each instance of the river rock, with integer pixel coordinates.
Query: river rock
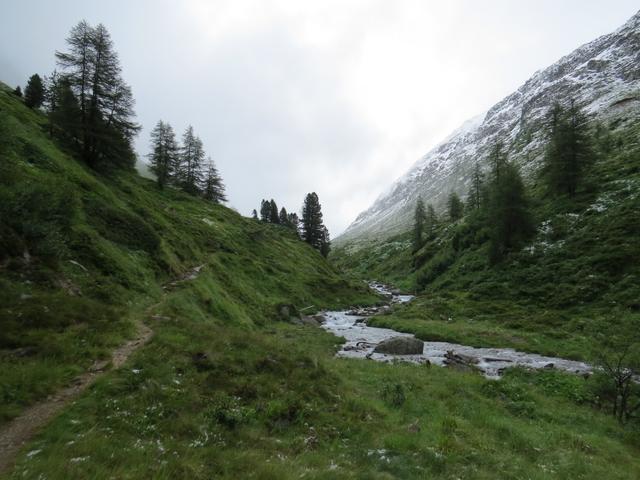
(460, 361)
(400, 346)
(313, 320)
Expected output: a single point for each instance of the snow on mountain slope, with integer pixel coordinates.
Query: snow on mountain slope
(602, 76)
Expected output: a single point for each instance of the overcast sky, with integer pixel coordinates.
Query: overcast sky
(340, 97)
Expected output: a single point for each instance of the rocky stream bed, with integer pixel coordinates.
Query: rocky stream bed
(386, 345)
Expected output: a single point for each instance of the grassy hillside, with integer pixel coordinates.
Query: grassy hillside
(82, 256)
(226, 389)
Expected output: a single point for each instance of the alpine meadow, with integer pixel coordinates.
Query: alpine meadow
(187, 290)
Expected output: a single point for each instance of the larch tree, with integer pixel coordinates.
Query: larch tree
(213, 188)
(265, 211)
(508, 213)
(569, 149)
(164, 153)
(474, 198)
(497, 159)
(34, 93)
(431, 222)
(105, 101)
(419, 219)
(189, 175)
(273, 212)
(283, 217)
(455, 207)
(63, 111)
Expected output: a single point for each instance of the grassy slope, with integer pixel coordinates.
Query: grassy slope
(224, 390)
(580, 272)
(82, 255)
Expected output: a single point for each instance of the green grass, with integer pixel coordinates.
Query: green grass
(224, 389)
(83, 255)
(205, 400)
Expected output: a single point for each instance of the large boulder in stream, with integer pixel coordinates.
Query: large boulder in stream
(400, 346)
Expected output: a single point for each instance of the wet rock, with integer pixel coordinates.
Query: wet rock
(460, 362)
(311, 320)
(400, 346)
(286, 311)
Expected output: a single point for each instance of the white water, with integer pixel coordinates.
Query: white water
(362, 339)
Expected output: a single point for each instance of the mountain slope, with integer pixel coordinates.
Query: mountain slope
(602, 76)
(223, 389)
(82, 257)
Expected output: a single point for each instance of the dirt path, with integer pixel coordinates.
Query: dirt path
(18, 432)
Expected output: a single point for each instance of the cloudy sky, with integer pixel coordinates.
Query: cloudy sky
(340, 97)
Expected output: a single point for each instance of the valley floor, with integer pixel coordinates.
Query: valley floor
(203, 400)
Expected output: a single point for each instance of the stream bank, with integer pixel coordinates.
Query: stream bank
(362, 340)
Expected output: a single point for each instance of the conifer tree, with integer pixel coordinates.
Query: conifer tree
(431, 222)
(312, 226)
(254, 214)
(164, 153)
(325, 242)
(455, 207)
(569, 149)
(105, 100)
(283, 217)
(189, 172)
(474, 198)
(18, 91)
(265, 211)
(213, 188)
(497, 159)
(34, 92)
(419, 219)
(273, 212)
(508, 213)
(64, 112)
(294, 222)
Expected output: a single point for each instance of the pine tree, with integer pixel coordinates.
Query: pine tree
(508, 212)
(106, 103)
(273, 212)
(312, 226)
(189, 175)
(265, 211)
(569, 149)
(164, 153)
(254, 214)
(419, 218)
(455, 207)
(474, 198)
(34, 93)
(325, 242)
(283, 217)
(213, 189)
(18, 91)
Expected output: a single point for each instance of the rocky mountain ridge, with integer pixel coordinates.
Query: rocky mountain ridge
(602, 76)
